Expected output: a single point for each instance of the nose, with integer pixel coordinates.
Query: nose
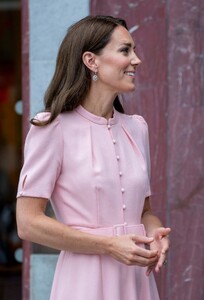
(135, 60)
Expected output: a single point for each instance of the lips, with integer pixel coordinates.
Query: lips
(130, 73)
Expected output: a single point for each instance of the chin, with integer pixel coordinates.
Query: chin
(129, 89)
(132, 89)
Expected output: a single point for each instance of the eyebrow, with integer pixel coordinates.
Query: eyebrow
(128, 44)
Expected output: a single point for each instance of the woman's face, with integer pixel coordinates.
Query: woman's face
(117, 62)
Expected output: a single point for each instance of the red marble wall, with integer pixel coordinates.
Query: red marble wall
(169, 38)
(185, 166)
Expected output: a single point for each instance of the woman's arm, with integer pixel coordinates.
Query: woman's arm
(35, 226)
(155, 229)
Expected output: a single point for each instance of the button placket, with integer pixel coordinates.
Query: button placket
(120, 173)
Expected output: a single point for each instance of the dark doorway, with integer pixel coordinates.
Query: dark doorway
(10, 146)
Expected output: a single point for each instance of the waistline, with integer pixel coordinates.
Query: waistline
(115, 230)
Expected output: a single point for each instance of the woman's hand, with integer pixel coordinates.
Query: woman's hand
(128, 249)
(161, 245)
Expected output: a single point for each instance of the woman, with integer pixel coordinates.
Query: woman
(92, 162)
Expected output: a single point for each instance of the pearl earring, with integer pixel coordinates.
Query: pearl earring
(95, 77)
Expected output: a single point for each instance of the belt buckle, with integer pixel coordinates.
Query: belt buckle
(120, 229)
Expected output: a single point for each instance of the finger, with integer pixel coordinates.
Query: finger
(164, 250)
(140, 239)
(162, 232)
(142, 261)
(160, 262)
(158, 267)
(139, 251)
(165, 246)
(150, 269)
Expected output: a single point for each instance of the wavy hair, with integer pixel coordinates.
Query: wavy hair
(72, 79)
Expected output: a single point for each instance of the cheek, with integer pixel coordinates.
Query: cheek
(115, 62)
(113, 69)
(119, 64)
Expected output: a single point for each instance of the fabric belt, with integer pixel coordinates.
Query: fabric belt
(115, 230)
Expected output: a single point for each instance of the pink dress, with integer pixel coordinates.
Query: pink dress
(96, 174)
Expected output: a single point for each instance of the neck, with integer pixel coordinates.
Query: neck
(100, 106)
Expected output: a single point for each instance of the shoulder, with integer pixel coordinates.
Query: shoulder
(39, 129)
(133, 120)
(44, 136)
(40, 119)
(43, 117)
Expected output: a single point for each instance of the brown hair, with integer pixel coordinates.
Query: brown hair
(72, 79)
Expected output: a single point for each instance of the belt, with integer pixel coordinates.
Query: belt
(115, 230)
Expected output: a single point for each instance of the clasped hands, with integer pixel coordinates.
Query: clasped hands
(128, 249)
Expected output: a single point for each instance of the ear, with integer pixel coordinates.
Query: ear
(89, 59)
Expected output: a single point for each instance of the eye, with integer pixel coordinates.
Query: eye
(125, 50)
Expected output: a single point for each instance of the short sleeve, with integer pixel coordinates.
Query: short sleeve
(146, 140)
(43, 152)
(146, 151)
